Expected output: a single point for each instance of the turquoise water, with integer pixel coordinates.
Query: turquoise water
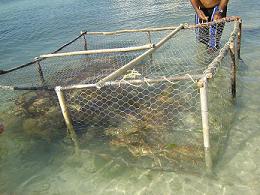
(29, 166)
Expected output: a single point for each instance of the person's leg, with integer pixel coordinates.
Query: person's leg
(213, 30)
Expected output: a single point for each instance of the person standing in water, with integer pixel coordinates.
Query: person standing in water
(208, 11)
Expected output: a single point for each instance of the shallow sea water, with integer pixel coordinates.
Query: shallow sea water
(29, 166)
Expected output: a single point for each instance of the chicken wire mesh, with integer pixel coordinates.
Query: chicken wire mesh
(145, 120)
(178, 55)
(147, 116)
(221, 106)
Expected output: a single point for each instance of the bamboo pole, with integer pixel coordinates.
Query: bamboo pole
(208, 160)
(203, 25)
(205, 122)
(111, 83)
(26, 88)
(204, 112)
(134, 30)
(239, 34)
(67, 118)
(136, 82)
(99, 51)
(233, 68)
(132, 63)
(191, 26)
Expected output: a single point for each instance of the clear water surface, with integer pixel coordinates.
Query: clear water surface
(27, 166)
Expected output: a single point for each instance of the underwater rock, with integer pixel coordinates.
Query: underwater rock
(126, 127)
(48, 127)
(54, 118)
(40, 115)
(30, 124)
(145, 135)
(191, 121)
(89, 136)
(32, 128)
(139, 136)
(39, 106)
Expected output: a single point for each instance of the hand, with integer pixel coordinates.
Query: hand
(201, 15)
(217, 16)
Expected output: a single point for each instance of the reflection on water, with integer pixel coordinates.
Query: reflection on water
(30, 165)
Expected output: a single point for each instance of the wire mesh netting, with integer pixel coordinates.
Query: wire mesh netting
(147, 115)
(221, 110)
(182, 54)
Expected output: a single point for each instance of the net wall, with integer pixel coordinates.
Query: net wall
(180, 55)
(221, 106)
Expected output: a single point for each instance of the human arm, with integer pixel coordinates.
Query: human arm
(196, 4)
(222, 6)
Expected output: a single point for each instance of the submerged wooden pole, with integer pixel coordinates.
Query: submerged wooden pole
(40, 71)
(239, 34)
(85, 40)
(67, 118)
(205, 122)
(149, 37)
(150, 41)
(233, 68)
